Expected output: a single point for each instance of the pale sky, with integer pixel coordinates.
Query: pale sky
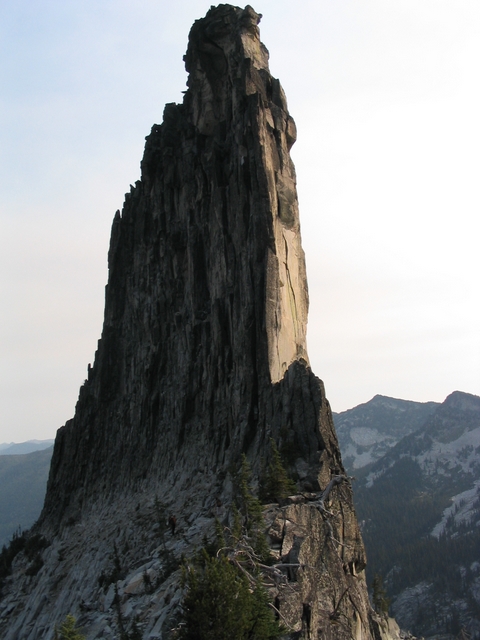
(386, 97)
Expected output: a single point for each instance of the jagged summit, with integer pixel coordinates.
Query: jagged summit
(202, 359)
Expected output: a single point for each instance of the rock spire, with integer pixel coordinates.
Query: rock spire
(202, 358)
(202, 354)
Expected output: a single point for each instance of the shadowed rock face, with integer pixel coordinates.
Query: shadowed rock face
(203, 352)
(202, 358)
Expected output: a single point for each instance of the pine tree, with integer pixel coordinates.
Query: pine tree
(135, 633)
(68, 630)
(276, 484)
(264, 625)
(214, 607)
(252, 511)
(379, 596)
(219, 604)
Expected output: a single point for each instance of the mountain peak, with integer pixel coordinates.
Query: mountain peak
(462, 401)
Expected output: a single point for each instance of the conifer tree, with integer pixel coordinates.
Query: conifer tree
(379, 596)
(251, 509)
(276, 484)
(219, 604)
(68, 630)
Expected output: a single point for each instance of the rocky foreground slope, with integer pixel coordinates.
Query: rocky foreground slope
(202, 359)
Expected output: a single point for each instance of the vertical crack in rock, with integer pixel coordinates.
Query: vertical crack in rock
(202, 358)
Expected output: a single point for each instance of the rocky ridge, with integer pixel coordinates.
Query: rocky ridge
(202, 359)
(23, 448)
(368, 431)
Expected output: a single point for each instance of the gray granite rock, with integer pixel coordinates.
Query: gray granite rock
(202, 359)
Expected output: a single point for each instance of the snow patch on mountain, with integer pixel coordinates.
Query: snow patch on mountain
(460, 456)
(463, 510)
(364, 446)
(463, 454)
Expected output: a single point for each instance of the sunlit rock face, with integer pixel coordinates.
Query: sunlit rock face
(202, 359)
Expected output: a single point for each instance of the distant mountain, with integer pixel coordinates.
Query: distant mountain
(367, 432)
(23, 480)
(12, 448)
(419, 508)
